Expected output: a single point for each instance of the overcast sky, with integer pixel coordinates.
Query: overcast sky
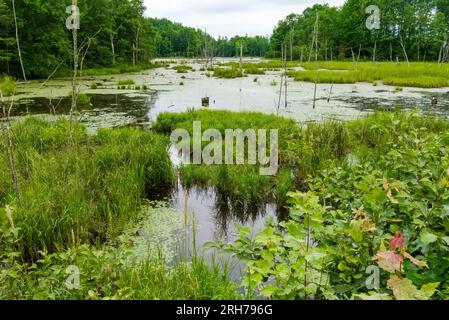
(230, 17)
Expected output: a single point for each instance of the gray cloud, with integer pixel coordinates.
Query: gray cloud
(230, 17)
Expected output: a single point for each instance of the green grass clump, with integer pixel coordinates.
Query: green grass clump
(182, 68)
(227, 73)
(253, 69)
(120, 69)
(260, 67)
(94, 86)
(240, 182)
(126, 82)
(324, 76)
(86, 191)
(7, 86)
(422, 82)
(417, 74)
(82, 99)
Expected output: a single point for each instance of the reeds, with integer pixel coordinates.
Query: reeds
(92, 188)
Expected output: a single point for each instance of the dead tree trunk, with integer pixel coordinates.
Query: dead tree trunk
(315, 37)
(403, 49)
(241, 57)
(285, 76)
(112, 48)
(75, 66)
(17, 40)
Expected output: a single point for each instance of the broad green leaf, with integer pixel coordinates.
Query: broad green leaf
(269, 291)
(428, 290)
(427, 237)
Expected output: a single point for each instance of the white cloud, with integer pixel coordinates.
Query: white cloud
(230, 17)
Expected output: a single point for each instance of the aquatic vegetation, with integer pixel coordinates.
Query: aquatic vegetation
(119, 69)
(183, 68)
(253, 69)
(82, 194)
(112, 272)
(270, 65)
(418, 74)
(422, 82)
(7, 86)
(94, 86)
(126, 82)
(82, 99)
(323, 76)
(227, 73)
(242, 182)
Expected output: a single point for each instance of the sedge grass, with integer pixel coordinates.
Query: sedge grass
(87, 191)
(417, 74)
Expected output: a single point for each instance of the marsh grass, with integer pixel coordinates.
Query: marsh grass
(227, 73)
(418, 74)
(7, 86)
(303, 151)
(85, 192)
(126, 82)
(112, 273)
(82, 98)
(183, 68)
(120, 69)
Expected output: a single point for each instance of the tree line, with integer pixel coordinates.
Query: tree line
(412, 30)
(116, 32)
(112, 32)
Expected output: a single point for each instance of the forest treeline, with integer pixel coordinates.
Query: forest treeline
(112, 32)
(116, 32)
(415, 30)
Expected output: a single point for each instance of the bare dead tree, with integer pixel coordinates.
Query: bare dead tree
(17, 40)
(403, 49)
(85, 46)
(315, 40)
(285, 77)
(112, 47)
(283, 53)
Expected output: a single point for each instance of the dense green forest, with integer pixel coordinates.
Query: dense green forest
(116, 32)
(413, 29)
(112, 32)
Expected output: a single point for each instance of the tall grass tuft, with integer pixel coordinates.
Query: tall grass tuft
(87, 191)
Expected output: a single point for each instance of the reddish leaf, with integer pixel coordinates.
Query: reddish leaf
(397, 242)
(389, 261)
